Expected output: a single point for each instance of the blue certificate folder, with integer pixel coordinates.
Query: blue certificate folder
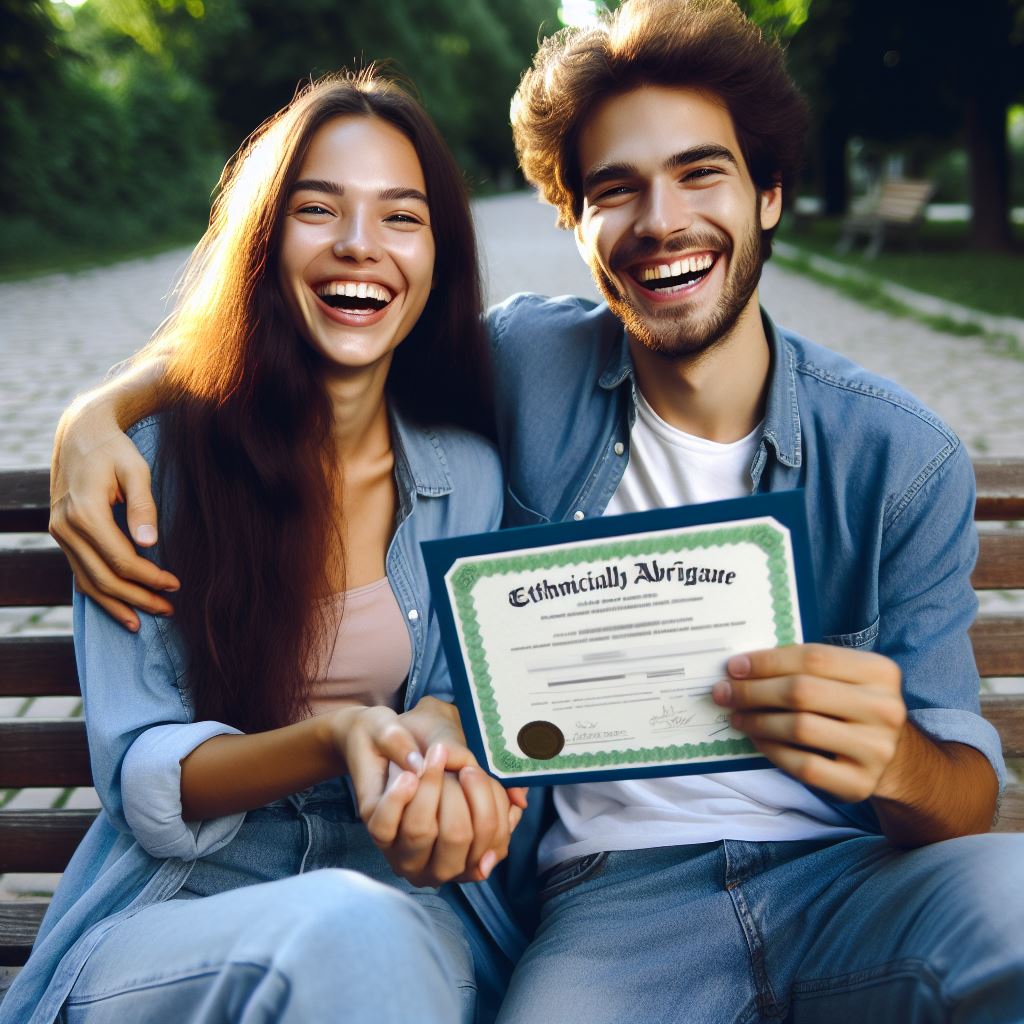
(786, 508)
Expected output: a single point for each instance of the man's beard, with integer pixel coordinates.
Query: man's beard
(682, 335)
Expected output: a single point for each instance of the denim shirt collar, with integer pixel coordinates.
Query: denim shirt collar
(421, 464)
(782, 416)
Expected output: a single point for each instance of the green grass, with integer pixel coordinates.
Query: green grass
(870, 292)
(27, 253)
(938, 263)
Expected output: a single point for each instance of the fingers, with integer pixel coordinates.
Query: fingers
(802, 693)
(372, 739)
(410, 848)
(136, 486)
(117, 610)
(386, 818)
(825, 660)
(838, 776)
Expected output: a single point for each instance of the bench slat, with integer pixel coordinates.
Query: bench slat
(43, 752)
(1006, 713)
(1011, 809)
(1000, 561)
(41, 840)
(1000, 488)
(998, 642)
(24, 500)
(31, 577)
(19, 922)
(38, 666)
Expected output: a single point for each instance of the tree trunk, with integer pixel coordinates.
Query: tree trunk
(985, 130)
(835, 185)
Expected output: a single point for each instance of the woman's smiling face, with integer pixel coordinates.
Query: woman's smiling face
(356, 261)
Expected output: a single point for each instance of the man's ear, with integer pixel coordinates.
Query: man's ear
(581, 245)
(770, 207)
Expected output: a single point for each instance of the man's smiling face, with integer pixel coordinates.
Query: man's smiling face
(671, 223)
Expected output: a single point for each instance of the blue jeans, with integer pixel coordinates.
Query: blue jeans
(854, 930)
(298, 920)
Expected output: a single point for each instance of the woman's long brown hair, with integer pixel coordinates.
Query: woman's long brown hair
(247, 461)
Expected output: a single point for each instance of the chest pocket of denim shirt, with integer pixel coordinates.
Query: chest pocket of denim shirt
(518, 514)
(861, 640)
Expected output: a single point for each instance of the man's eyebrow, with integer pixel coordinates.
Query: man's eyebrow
(332, 188)
(693, 155)
(696, 154)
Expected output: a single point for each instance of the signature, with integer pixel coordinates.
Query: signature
(669, 717)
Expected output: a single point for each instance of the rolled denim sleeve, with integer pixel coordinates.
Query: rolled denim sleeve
(927, 604)
(151, 793)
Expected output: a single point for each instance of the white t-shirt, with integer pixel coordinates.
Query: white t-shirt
(668, 467)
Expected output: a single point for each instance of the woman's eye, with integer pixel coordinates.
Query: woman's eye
(313, 208)
(403, 218)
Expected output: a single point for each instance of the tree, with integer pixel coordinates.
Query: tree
(903, 71)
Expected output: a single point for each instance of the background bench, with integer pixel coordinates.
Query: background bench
(897, 206)
(38, 752)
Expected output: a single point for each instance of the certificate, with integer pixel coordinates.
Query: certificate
(581, 651)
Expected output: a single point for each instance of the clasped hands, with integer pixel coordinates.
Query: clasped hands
(441, 818)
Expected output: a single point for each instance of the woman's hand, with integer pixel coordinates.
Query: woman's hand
(433, 825)
(94, 467)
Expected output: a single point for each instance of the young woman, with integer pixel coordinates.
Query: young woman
(252, 860)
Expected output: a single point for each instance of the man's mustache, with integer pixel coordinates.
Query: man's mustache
(635, 250)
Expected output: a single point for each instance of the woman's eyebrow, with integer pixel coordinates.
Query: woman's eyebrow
(318, 185)
(331, 188)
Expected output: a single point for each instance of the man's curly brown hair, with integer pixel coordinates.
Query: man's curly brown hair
(700, 44)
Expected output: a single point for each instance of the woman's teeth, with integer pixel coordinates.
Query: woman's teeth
(355, 295)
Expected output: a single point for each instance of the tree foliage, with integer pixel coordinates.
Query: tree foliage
(117, 115)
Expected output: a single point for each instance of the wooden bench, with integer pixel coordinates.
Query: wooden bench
(898, 205)
(39, 752)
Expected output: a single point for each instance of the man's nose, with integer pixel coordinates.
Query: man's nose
(357, 238)
(665, 211)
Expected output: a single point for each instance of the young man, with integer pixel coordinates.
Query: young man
(667, 139)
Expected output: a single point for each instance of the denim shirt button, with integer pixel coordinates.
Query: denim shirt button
(618, 448)
(577, 515)
(413, 615)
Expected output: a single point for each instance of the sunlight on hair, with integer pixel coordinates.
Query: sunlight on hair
(578, 12)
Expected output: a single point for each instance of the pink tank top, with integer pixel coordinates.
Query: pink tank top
(371, 654)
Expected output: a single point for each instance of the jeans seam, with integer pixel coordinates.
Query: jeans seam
(907, 967)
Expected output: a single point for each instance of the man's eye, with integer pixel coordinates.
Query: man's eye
(702, 172)
(613, 192)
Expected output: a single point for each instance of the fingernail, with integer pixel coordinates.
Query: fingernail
(172, 589)
(721, 692)
(436, 755)
(415, 762)
(131, 625)
(145, 534)
(739, 666)
(487, 862)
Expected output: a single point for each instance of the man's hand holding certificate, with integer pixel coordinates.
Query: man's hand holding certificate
(590, 650)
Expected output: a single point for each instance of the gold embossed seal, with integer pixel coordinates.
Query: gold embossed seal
(540, 740)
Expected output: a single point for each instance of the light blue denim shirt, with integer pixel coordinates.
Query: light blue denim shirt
(140, 723)
(889, 488)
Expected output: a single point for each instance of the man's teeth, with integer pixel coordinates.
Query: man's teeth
(354, 290)
(689, 265)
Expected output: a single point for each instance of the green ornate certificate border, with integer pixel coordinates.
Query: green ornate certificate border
(769, 538)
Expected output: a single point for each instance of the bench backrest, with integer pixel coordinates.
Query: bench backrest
(902, 200)
(40, 752)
